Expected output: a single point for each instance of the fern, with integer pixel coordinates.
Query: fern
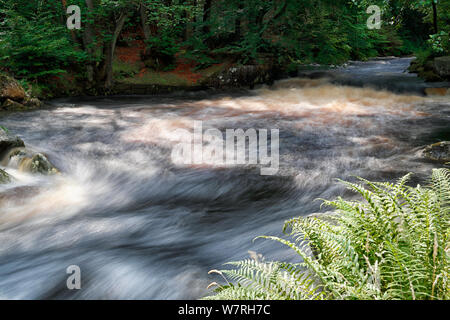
(394, 244)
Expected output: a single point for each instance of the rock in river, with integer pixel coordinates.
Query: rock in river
(438, 152)
(4, 177)
(8, 142)
(442, 66)
(28, 161)
(240, 76)
(11, 105)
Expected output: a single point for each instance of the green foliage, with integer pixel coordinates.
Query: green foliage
(163, 49)
(392, 245)
(35, 44)
(124, 69)
(439, 42)
(199, 53)
(169, 19)
(424, 54)
(34, 47)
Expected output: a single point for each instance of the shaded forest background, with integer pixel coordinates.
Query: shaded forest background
(180, 42)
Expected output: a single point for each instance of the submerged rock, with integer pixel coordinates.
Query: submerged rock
(438, 151)
(4, 177)
(8, 142)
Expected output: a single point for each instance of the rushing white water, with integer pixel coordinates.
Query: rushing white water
(140, 226)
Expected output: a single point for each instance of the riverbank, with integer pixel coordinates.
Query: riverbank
(431, 68)
(223, 77)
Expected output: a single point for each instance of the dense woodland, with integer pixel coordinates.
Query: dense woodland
(36, 45)
(143, 226)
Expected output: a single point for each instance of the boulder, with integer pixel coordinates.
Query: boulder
(13, 97)
(10, 105)
(11, 89)
(28, 161)
(426, 70)
(240, 76)
(442, 66)
(40, 164)
(32, 103)
(438, 151)
(8, 142)
(4, 177)
(26, 104)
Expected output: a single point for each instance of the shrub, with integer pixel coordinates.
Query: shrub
(36, 48)
(392, 245)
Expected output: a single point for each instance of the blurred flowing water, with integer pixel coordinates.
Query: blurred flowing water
(141, 227)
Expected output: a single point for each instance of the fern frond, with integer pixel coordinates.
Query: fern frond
(394, 244)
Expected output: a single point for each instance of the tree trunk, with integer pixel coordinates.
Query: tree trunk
(145, 26)
(237, 23)
(206, 16)
(112, 47)
(88, 42)
(184, 23)
(192, 21)
(144, 19)
(435, 17)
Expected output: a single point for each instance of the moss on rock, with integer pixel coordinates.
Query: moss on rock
(4, 177)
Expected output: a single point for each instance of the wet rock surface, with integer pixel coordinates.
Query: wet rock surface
(13, 154)
(13, 96)
(433, 70)
(240, 76)
(438, 151)
(442, 66)
(4, 177)
(8, 142)
(11, 105)
(27, 161)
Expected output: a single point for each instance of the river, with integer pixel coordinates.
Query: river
(140, 226)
